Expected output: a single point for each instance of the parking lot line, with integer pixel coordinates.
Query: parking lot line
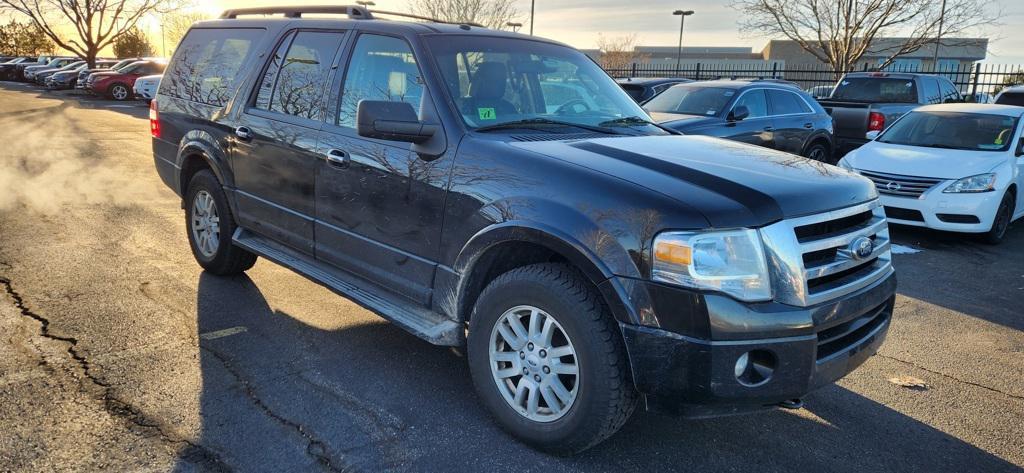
(222, 333)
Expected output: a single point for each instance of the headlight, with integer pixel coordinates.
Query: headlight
(979, 183)
(730, 261)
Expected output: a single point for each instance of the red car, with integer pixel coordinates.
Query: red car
(118, 84)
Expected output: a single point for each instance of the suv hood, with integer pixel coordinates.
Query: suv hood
(732, 184)
(923, 162)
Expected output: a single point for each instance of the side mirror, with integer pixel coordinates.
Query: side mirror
(1020, 148)
(738, 114)
(393, 121)
(872, 135)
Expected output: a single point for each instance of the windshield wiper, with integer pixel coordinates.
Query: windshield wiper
(535, 122)
(634, 120)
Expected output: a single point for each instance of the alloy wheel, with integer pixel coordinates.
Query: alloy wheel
(119, 92)
(534, 364)
(205, 224)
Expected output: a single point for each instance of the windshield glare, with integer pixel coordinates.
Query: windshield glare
(875, 89)
(499, 80)
(691, 100)
(954, 130)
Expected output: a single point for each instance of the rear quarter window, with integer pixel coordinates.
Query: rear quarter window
(205, 67)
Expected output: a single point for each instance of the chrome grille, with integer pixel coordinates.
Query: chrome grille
(896, 184)
(809, 268)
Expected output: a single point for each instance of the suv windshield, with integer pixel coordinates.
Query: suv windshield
(691, 100)
(502, 81)
(953, 130)
(875, 90)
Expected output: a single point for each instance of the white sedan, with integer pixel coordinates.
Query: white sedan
(145, 87)
(955, 167)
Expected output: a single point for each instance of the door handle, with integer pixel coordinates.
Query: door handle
(244, 133)
(337, 158)
(808, 125)
(769, 128)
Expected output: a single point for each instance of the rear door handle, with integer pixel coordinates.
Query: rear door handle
(243, 133)
(769, 128)
(337, 158)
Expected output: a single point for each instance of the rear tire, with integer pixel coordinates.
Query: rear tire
(819, 152)
(587, 357)
(1004, 214)
(210, 225)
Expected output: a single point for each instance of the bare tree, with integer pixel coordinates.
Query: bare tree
(840, 32)
(95, 24)
(490, 13)
(619, 52)
(176, 24)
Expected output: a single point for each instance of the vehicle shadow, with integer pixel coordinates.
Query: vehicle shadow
(946, 262)
(325, 389)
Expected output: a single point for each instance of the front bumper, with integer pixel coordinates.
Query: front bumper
(969, 213)
(810, 347)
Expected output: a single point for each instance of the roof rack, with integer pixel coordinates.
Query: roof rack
(353, 12)
(427, 18)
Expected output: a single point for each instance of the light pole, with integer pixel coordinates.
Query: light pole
(533, 3)
(514, 25)
(682, 22)
(938, 39)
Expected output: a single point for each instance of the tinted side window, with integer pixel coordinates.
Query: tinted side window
(207, 63)
(382, 68)
(787, 103)
(294, 81)
(931, 90)
(949, 92)
(755, 101)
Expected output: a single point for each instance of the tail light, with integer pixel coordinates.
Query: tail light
(876, 121)
(154, 119)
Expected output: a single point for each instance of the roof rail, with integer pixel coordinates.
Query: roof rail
(353, 12)
(427, 18)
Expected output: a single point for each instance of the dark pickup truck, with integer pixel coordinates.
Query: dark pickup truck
(863, 102)
(584, 257)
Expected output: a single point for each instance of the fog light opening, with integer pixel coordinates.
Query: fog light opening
(755, 367)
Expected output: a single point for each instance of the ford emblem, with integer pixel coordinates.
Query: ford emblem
(862, 247)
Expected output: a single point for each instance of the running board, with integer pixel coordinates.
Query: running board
(423, 323)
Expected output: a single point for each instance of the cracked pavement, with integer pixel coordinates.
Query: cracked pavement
(118, 354)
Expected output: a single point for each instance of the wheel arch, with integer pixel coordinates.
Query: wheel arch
(511, 245)
(195, 153)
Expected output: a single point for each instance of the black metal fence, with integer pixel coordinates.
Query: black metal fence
(970, 79)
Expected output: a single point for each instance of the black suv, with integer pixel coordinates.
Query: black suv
(583, 256)
(761, 112)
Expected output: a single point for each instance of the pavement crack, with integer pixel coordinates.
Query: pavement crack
(315, 448)
(191, 452)
(954, 378)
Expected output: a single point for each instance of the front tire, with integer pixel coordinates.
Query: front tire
(1004, 214)
(547, 359)
(119, 92)
(210, 226)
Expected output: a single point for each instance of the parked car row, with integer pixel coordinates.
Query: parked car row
(109, 78)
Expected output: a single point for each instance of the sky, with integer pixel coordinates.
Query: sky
(579, 22)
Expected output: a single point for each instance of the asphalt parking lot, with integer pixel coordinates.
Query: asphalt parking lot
(118, 354)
